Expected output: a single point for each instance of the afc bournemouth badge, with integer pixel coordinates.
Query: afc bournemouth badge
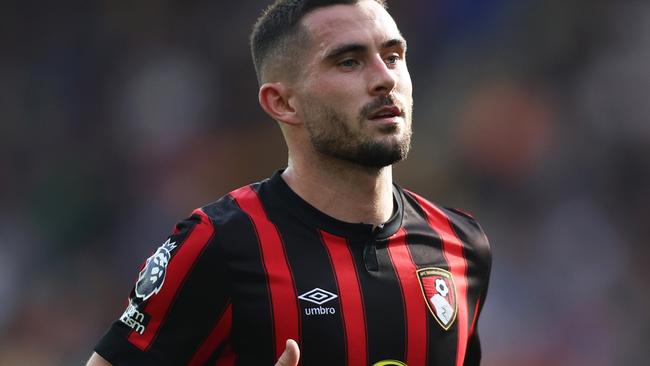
(440, 294)
(152, 276)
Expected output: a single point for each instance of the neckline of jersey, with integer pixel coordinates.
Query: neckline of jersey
(281, 194)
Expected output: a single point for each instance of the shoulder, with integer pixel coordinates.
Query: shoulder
(232, 219)
(462, 224)
(216, 232)
(454, 216)
(233, 208)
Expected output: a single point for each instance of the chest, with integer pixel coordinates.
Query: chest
(334, 293)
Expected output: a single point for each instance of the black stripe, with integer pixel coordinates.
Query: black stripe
(382, 302)
(322, 335)
(252, 332)
(423, 242)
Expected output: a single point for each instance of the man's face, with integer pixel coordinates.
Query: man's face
(355, 93)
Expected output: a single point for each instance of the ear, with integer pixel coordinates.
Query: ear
(276, 99)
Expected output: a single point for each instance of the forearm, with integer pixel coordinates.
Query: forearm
(97, 360)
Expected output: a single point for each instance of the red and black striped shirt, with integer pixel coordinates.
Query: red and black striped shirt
(261, 265)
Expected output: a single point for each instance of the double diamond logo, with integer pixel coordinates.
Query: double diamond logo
(318, 296)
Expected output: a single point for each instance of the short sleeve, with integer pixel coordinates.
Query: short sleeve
(179, 309)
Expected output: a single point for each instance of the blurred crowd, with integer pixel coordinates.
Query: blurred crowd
(119, 118)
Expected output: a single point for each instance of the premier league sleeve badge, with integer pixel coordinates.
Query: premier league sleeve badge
(152, 276)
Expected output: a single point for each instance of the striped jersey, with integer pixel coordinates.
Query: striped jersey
(261, 265)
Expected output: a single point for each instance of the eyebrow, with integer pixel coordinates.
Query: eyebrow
(359, 48)
(395, 42)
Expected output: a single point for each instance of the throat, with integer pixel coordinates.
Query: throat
(345, 197)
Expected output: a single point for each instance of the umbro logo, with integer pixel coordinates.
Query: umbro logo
(318, 296)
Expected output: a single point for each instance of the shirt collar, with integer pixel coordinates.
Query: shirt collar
(280, 195)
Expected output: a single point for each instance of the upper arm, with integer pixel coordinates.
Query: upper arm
(178, 299)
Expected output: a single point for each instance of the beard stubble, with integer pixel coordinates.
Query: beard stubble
(332, 136)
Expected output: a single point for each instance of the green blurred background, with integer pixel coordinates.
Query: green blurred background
(118, 118)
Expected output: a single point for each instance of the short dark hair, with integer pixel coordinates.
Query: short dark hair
(276, 33)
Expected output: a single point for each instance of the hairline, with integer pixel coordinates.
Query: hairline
(294, 36)
(279, 50)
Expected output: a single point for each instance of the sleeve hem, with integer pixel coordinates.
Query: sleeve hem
(119, 351)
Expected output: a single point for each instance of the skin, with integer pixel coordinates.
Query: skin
(325, 125)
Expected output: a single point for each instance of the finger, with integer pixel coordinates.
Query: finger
(291, 354)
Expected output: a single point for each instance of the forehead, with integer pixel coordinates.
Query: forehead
(366, 21)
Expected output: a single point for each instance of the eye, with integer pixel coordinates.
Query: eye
(392, 59)
(348, 63)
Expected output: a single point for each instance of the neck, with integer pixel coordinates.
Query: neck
(343, 190)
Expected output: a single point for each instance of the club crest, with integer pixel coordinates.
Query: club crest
(440, 294)
(152, 276)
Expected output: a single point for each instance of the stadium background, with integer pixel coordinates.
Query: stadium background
(117, 118)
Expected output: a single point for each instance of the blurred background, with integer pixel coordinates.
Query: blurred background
(118, 118)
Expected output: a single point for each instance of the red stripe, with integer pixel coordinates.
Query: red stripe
(415, 310)
(217, 337)
(353, 314)
(452, 248)
(280, 279)
(178, 269)
(471, 329)
(229, 357)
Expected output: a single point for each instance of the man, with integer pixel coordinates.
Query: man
(327, 262)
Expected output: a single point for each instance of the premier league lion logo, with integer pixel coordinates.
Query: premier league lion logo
(152, 276)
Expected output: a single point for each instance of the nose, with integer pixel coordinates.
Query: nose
(382, 79)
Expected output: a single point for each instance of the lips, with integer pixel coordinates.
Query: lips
(386, 112)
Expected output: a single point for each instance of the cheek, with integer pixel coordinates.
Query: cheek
(338, 93)
(405, 85)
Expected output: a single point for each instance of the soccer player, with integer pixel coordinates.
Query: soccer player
(328, 262)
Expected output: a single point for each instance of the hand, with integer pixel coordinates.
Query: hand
(291, 354)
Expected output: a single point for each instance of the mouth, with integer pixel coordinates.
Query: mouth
(386, 113)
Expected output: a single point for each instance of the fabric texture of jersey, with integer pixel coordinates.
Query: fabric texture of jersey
(261, 265)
